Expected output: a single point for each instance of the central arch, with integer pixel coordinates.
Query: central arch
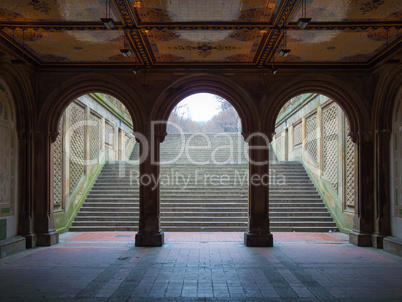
(206, 83)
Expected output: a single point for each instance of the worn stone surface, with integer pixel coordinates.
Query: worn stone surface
(202, 267)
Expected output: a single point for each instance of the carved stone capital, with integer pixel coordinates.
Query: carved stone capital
(23, 134)
(363, 136)
(245, 135)
(156, 135)
(384, 134)
(53, 135)
(354, 136)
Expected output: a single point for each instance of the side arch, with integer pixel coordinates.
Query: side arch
(16, 78)
(346, 98)
(22, 93)
(206, 83)
(59, 99)
(385, 95)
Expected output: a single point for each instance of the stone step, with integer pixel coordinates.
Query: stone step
(87, 228)
(201, 224)
(274, 214)
(204, 204)
(96, 212)
(302, 224)
(103, 218)
(85, 208)
(296, 208)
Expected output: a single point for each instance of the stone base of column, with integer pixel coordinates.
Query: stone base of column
(30, 240)
(258, 240)
(47, 239)
(377, 241)
(157, 239)
(360, 239)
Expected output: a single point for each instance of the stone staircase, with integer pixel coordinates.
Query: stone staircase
(208, 197)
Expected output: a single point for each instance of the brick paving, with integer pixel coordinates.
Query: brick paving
(201, 267)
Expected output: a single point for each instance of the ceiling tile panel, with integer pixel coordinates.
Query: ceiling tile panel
(56, 10)
(351, 10)
(204, 10)
(215, 46)
(343, 46)
(67, 46)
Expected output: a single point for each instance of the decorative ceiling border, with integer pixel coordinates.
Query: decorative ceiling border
(269, 47)
(125, 11)
(135, 30)
(140, 46)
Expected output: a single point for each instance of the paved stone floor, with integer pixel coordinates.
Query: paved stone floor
(202, 267)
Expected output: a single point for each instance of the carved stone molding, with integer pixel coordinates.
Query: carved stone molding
(354, 136)
(53, 135)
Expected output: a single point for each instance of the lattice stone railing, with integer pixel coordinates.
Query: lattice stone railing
(311, 136)
(297, 134)
(76, 145)
(58, 170)
(110, 140)
(350, 168)
(109, 133)
(278, 143)
(94, 136)
(330, 144)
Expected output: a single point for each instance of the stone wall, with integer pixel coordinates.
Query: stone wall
(90, 134)
(8, 165)
(314, 130)
(396, 171)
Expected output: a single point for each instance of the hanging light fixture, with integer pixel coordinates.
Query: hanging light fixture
(284, 51)
(303, 21)
(109, 23)
(125, 51)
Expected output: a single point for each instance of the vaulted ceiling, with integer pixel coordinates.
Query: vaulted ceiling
(202, 32)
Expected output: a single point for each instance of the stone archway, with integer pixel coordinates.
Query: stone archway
(360, 132)
(22, 95)
(9, 150)
(258, 234)
(387, 94)
(345, 96)
(220, 86)
(49, 117)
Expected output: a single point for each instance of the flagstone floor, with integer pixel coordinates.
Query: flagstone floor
(201, 267)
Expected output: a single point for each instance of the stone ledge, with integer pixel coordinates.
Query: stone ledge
(393, 245)
(11, 246)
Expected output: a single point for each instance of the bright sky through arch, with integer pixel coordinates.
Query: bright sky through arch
(202, 106)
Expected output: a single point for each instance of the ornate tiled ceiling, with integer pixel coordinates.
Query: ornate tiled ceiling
(201, 32)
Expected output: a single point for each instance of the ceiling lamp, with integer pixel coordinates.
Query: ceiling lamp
(303, 21)
(125, 51)
(109, 23)
(284, 50)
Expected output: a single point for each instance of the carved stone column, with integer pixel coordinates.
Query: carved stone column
(258, 234)
(363, 223)
(149, 232)
(43, 175)
(25, 180)
(382, 208)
